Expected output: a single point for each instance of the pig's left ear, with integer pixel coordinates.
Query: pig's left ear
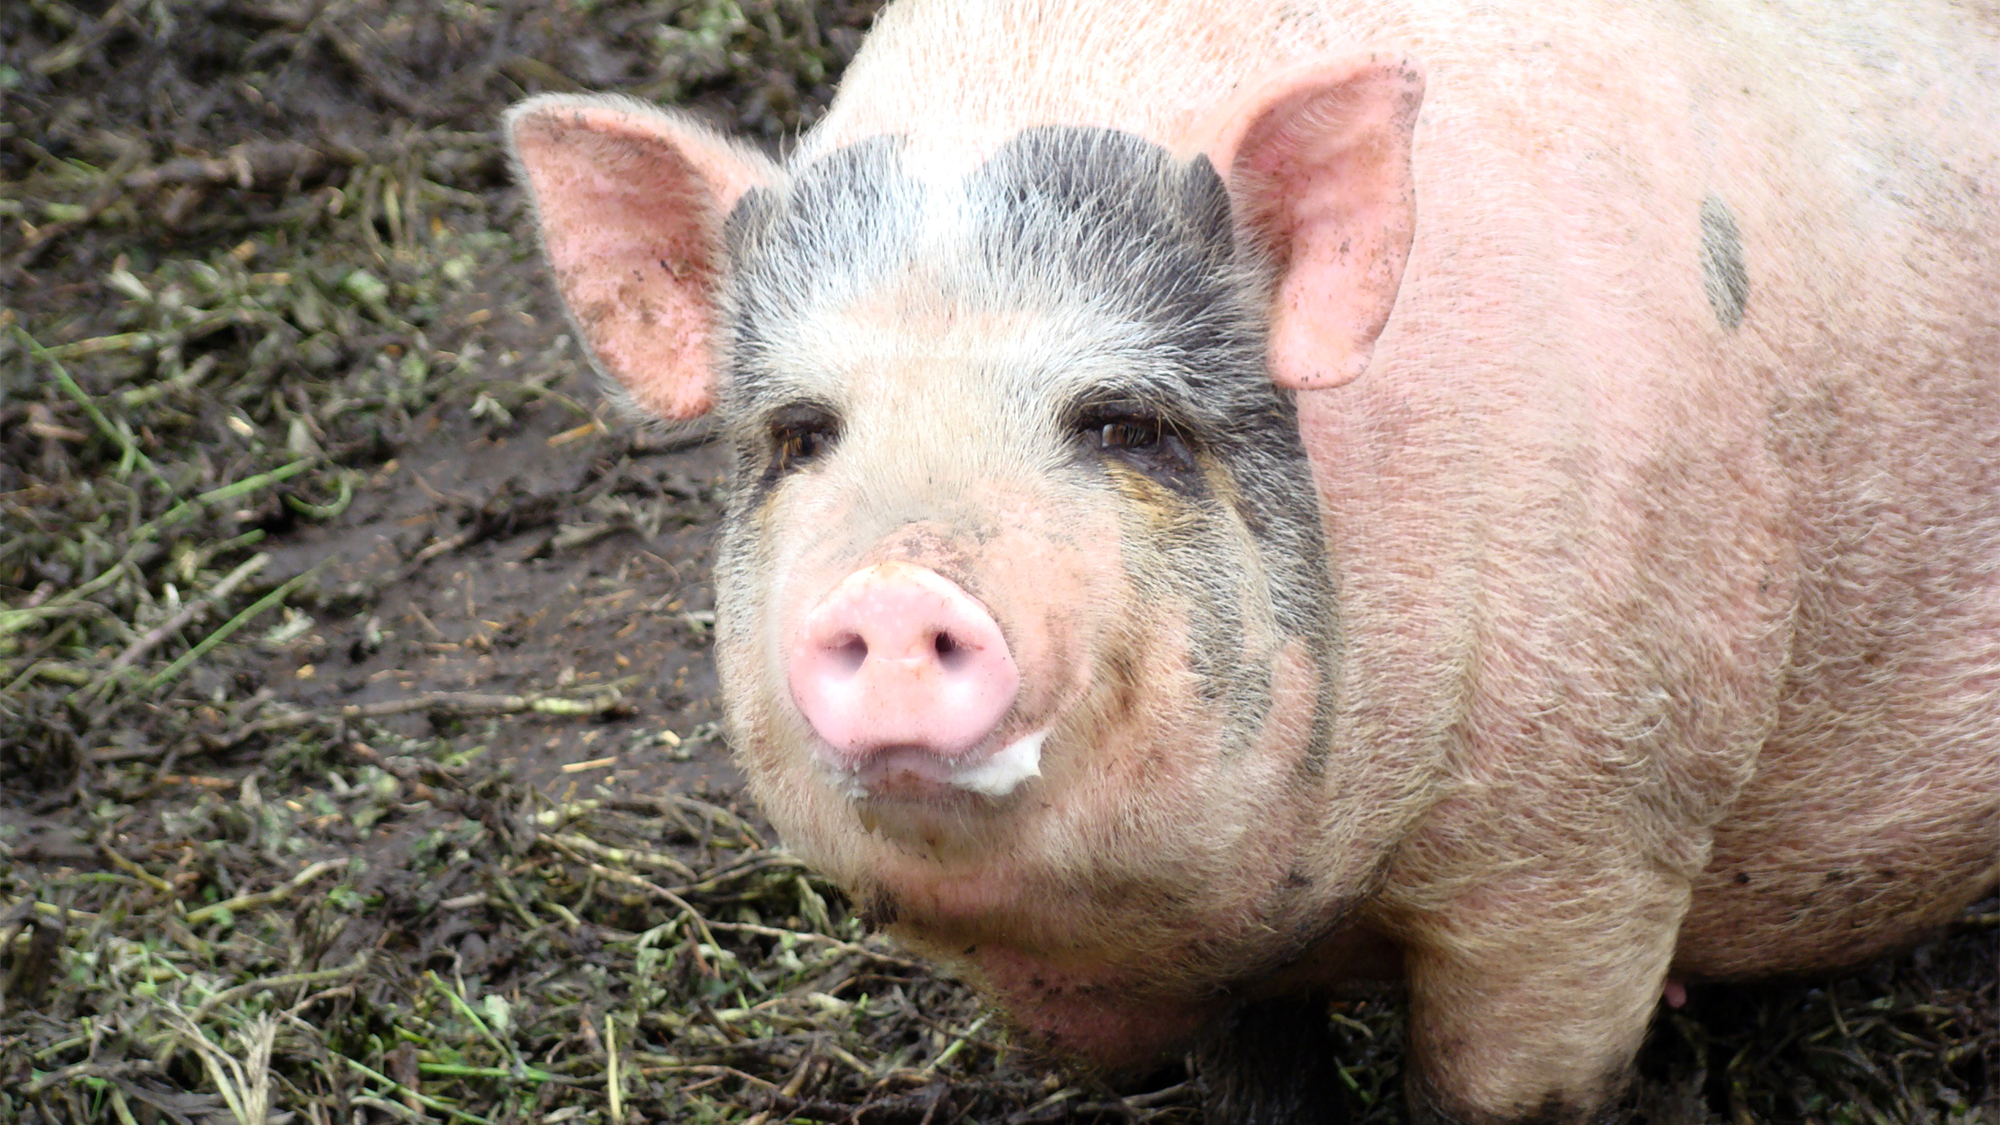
(631, 202)
(1318, 165)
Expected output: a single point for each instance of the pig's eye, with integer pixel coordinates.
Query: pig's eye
(802, 433)
(1145, 440)
(1136, 436)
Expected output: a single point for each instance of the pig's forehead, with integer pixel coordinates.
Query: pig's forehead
(905, 194)
(902, 348)
(1070, 224)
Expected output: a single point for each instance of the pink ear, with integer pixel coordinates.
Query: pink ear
(1318, 165)
(631, 202)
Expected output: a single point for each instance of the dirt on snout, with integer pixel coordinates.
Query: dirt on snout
(358, 745)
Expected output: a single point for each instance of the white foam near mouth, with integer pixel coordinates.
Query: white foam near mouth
(995, 777)
(1003, 772)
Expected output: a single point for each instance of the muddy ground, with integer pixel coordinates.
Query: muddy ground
(358, 758)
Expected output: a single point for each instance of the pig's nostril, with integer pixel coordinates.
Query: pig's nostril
(849, 653)
(952, 655)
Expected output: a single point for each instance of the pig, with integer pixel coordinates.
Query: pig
(1231, 499)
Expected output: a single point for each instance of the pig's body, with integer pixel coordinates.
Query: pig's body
(1638, 610)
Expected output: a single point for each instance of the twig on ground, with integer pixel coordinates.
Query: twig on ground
(222, 633)
(131, 868)
(280, 893)
(85, 1070)
(245, 166)
(187, 615)
(465, 704)
(627, 856)
(271, 984)
(119, 437)
(629, 879)
(819, 939)
(401, 1090)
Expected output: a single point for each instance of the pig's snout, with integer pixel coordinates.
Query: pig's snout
(898, 667)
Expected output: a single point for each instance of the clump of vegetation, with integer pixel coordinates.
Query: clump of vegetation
(622, 957)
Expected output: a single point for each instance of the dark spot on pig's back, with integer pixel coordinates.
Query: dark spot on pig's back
(1723, 277)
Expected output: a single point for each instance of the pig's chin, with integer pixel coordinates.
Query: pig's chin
(902, 775)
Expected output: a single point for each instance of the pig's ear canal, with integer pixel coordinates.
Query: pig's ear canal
(631, 202)
(1318, 166)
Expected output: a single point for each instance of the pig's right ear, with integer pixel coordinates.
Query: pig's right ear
(631, 202)
(1317, 159)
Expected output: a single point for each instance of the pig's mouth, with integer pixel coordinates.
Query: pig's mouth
(916, 773)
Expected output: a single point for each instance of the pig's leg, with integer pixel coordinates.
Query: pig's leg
(1271, 1063)
(1529, 996)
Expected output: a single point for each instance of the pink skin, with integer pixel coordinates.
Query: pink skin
(898, 667)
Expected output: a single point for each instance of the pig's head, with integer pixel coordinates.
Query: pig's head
(1026, 628)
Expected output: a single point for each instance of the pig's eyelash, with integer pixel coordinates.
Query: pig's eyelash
(1138, 435)
(801, 433)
